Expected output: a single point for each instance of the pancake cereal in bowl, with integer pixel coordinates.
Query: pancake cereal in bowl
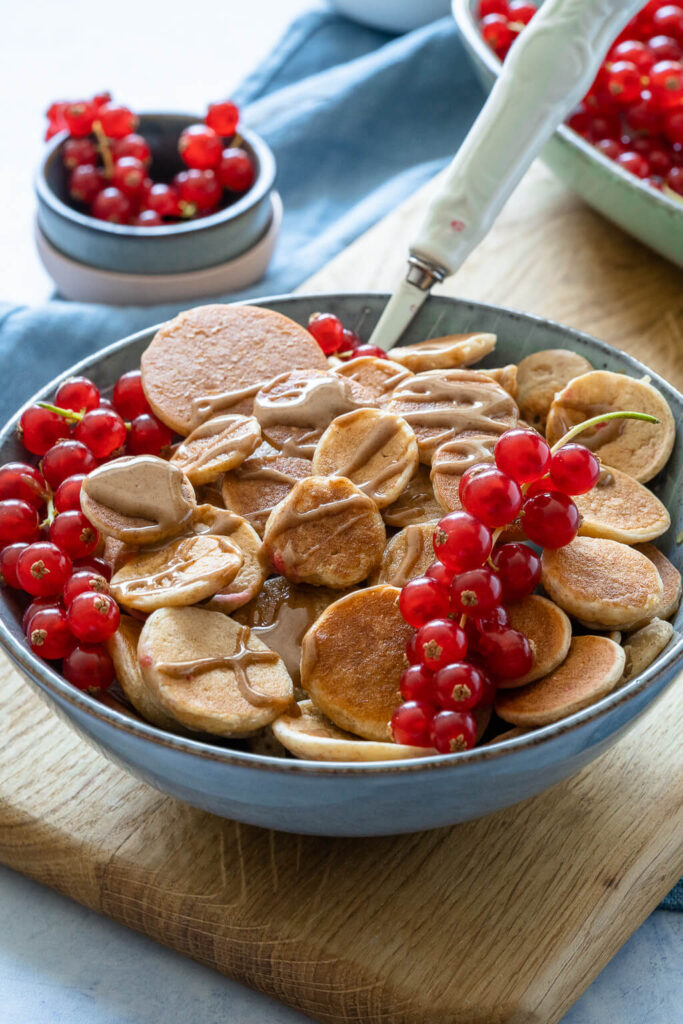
(285, 538)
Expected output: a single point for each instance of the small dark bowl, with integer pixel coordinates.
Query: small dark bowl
(170, 248)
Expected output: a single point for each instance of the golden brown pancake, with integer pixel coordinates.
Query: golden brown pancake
(123, 648)
(447, 353)
(604, 584)
(295, 408)
(353, 658)
(547, 629)
(590, 671)
(416, 504)
(453, 458)
(506, 376)
(620, 508)
(183, 572)
(671, 584)
(407, 555)
(261, 482)
(138, 499)
(372, 379)
(376, 450)
(211, 360)
(210, 674)
(214, 447)
(446, 404)
(644, 646)
(542, 374)
(326, 532)
(638, 448)
(313, 737)
(252, 573)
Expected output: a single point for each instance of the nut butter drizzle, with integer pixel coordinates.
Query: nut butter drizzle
(175, 569)
(414, 545)
(377, 438)
(238, 662)
(205, 407)
(457, 455)
(457, 405)
(234, 434)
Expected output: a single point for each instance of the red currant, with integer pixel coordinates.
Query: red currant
(78, 394)
(43, 569)
(624, 81)
(487, 7)
(328, 331)
(580, 119)
(610, 147)
(521, 11)
(664, 48)
(644, 117)
(550, 519)
(147, 219)
(84, 581)
(673, 127)
(421, 600)
(36, 603)
(476, 592)
(8, 564)
(491, 496)
(101, 98)
(412, 652)
(93, 617)
(674, 180)
(352, 341)
(236, 171)
(68, 494)
(493, 621)
(604, 126)
(523, 454)
(417, 683)
(519, 570)
(132, 145)
(78, 151)
(20, 480)
(18, 521)
(128, 397)
(85, 182)
(200, 188)
(666, 83)
(410, 723)
(129, 175)
(73, 533)
(369, 350)
(441, 573)
(65, 459)
(49, 634)
(462, 542)
(668, 20)
(39, 429)
(111, 205)
(148, 435)
(200, 146)
(497, 32)
(89, 668)
(117, 121)
(164, 200)
(574, 469)
(634, 52)
(103, 431)
(459, 686)
(507, 653)
(441, 641)
(223, 117)
(79, 118)
(93, 565)
(634, 162)
(453, 731)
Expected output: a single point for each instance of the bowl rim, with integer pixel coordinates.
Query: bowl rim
(48, 679)
(259, 190)
(463, 14)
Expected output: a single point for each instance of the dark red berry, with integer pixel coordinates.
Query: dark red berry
(574, 469)
(163, 199)
(148, 436)
(40, 428)
(84, 581)
(550, 519)
(76, 152)
(235, 170)
(111, 205)
(49, 635)
(198, 188)
(441, 573)
(78, 394)
(68, 494)
(410, 723)
(20, 480)
(73, 533)
(94, 565)
(132, 145)
(328, 331)
(8, 564)
(369, 350)
(423, 599)
(18, 521)
(223, 117)
(89, 668)
(417, 683)
(65, 459)
(36, 603)
(507, 653)
(440, 642)
(491, 496)
(79, 117)
(523, 454)
(43, 569)
(453, 731)
(117, 121)
(102, 431)
(93, 617)
(200, 146)
(462, 542)
(476, 592)
(494, 620)
(519, 570)
(128, 397)
(129, 175)
(459, 686)
(147, 219)
(85, 182)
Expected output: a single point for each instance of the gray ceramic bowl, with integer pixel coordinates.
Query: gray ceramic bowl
(379, 798)
(170, 248)
(645, 213)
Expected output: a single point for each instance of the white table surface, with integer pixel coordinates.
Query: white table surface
(60, 963)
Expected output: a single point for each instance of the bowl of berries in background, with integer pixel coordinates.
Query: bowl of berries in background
(156, 207)
(622, 148)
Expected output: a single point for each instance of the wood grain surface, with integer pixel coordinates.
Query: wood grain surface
(505, 920)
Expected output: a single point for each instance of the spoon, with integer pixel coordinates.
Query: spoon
(550, 67)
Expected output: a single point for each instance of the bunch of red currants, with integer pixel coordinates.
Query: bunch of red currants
(109, 163)
(464, 643)
(47, 545)
(337, 340)
(633, 112)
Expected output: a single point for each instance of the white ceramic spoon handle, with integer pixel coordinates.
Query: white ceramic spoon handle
(550, 67)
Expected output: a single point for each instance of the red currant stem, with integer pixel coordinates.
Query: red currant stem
(51, 512)
(69, 414)
(104, 148)
(236, 140)
(463, 620)
(596, 420)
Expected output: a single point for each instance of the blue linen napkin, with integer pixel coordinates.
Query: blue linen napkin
(358, 119)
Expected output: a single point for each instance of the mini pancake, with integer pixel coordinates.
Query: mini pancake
(604, 584)
(376, 450)
(326, 532)
(633, 446)
(407, 555)
(280, 615)
(372, 379)
(506, 376)
(416, 504)
(261, 482)
(123, 649)
(590, 671)
(671, 583)
(139, 499)
(210, 674)
(352, 660)
(447, 353)
(620, 508)
(547, 629)
(295, 408)
(213, 359)
(542, 374)
(216, 446)
(446, 404)
(313, 737)
(252, 573)
(453, 458)
(181, 573)
(644, 646)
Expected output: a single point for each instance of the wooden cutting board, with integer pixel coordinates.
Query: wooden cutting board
(505, 920)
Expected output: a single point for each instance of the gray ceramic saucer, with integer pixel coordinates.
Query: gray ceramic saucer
(377, 798)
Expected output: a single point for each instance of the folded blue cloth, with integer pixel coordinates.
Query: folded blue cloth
(357, 119)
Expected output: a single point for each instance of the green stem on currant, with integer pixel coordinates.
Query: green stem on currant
(70, 414)
(603, 418)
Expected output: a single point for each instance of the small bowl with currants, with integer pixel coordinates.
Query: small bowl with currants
(156, 194)
(621, 149)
